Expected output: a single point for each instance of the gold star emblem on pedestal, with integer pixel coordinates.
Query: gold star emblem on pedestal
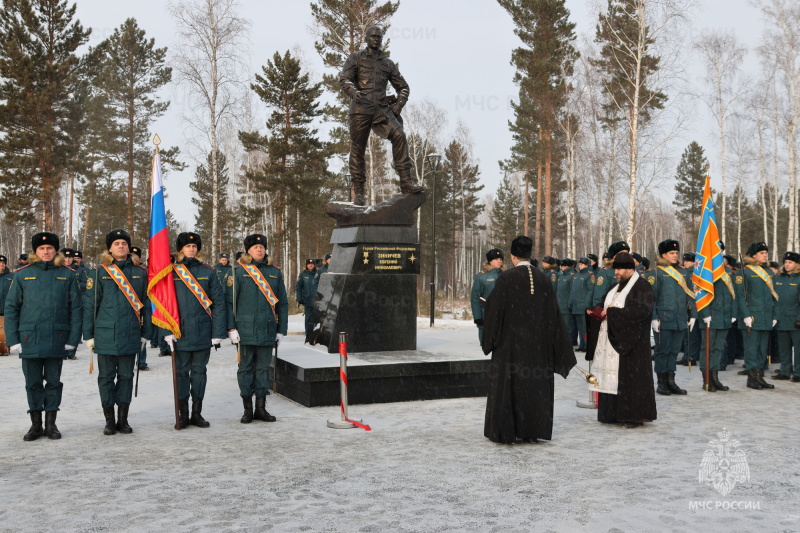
(412, 258)
(366, 258)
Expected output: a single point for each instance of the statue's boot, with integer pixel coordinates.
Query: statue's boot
(407, 185)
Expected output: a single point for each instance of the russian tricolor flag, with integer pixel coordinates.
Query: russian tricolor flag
(160, 287)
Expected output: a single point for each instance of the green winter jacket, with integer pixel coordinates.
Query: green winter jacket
(197, 328)
(5, 283)
(603, 281)
(580, 298)
(787, 308)
(108, 317)
(482, 287)
(253, 317)
(673, 307)
(722, 308)
(563, 290)
(753, 296)
(43, 310)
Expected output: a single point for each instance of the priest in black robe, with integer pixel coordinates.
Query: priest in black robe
(621, 349)
(525, 333)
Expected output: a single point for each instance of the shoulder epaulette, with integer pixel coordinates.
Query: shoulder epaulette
(22, 268)
(208, 267)
(139, 266)
(70, 268)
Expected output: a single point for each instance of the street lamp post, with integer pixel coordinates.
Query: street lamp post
(433, 163)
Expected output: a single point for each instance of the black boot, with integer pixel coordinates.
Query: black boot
(673, 388)
(261, 410)
(715, 380)
(50, 428)
(407, 185)
(111, 424)
(247, 417)
(358, 193)
(663, 389)
(183, 414)
(710, 386)
(760, 379)
(122, 418)
(752, 382)
(197, 418)
(36, 427)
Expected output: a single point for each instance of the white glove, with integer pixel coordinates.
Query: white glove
(278, 338)
(733, 320)
(67, 347)
(17, 348)
(216, 341)
(748, 321)
(234, 336)
(655, 325)
(774, 322)
(707, 320)
(89, 343)
(691, 323)
(143, 340)
(169, 338)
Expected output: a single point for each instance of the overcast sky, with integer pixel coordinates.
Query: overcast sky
(455, 52)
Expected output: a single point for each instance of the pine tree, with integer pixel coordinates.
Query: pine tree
(544, 64)
(504, 219)
(202, 187)
(690, 182)
(295, 169)
(39, 70)
(628, 67)
(131, 72)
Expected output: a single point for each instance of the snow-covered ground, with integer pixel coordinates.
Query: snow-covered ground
(424, 467)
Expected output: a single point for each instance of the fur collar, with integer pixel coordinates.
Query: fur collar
(58, 260)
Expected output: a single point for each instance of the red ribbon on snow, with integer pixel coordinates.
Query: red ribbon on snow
(343, 377)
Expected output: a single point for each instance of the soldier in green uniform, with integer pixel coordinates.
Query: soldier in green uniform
(673, 312)
(6, 276)
(22, 261)
(550, 269)
(580, 298)
(43, 322)
(136, 255)
(755, 294)
(787, 313)
(258, 311)
(637, 261)
(563, 290)
(482, 286)
(202, 308)
(223, 268)
(69, 258)
(305, 291)
(80, 269)
(717, 318)
(116, 322)
(323, 269)
(691, 339)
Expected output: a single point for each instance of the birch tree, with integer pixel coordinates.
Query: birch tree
(209, 62)
(722, 57)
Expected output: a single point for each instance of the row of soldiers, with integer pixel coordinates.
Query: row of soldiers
(751, 302)
(46, 315)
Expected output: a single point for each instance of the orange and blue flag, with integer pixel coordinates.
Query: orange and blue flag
(710, 262)
(160, 287)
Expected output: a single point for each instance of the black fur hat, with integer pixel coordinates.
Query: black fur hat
(252, 240)
(493, 254)
(188, 238)
(756, 247)
(115, 235)
(668, 246)
(617, 247)
(521, 247)
(43, 238)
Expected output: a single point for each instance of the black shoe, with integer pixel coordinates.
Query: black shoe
(71, 357)
(743, 372)
(122, 419)
(673, 387)
(631, 425)
(717, 385)
(752, 382)
(780, 377)
(50, 428)
(682, 362)
(776, 371)
(111, 424)
(144, 368)
(247, 417)
(261, 412)
(795, 379)
(662, 385)
(183, 414)
(197, 418)
(710, 386)
(165, 354)
(36, 427)
(760, 378)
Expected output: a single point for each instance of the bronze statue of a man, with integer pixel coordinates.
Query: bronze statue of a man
(364, 78)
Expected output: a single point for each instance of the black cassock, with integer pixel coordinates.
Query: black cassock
(528, 340)
(629, 335)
